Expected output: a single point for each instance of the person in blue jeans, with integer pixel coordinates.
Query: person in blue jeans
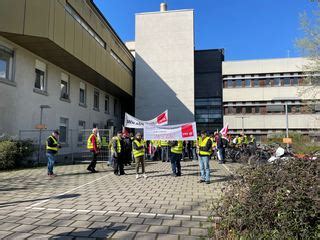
(205, 150)
(176, 155)
(52, 147)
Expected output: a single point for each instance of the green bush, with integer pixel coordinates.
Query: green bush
(274, 201)
(8, 154)
(12, 153)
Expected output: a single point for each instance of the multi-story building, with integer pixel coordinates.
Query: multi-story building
(208, 89)
(164, 73)
(64, 55)
(255, 93)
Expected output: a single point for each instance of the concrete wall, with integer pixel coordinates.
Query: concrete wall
(164, 44)
(20, 105)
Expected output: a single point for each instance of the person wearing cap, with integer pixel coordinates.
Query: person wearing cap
(93, 146)
(138, 150)
(52, 147)
(117, 154)
(205, 149)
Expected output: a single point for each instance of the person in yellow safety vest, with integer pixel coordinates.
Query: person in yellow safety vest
(93, 146)
(176, 155)
(164, 150)
(138, 150)
(205, 150)
(118, 166)
(52, 148)
(252, 141)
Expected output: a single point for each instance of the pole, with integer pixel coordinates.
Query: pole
(242, 124)
(39, 150)
(287, 123)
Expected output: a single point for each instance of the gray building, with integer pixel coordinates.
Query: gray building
(208, 89)
(164, 76)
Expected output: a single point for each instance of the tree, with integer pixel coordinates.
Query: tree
(310, 48)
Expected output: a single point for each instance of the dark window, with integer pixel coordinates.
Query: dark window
(96, 100)
(276, 82)
(268, 82)
(248, 82)
(106, 104)
(256, 83)
(63, 128)
(286, 81)
(248, 109)
(82, 96)
(230, 84)
(82, 127)
(238, 110)
(6, 63)
(39, 82)
(295, 81)
(238, 83)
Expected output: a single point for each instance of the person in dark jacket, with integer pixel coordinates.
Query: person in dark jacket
(52, 147)
(127, 150)
(222, 143)
(117, 154)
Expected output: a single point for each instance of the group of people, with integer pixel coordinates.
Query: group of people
(126, 148)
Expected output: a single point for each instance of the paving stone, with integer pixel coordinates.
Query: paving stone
(158, 229)
(98, 218)
(43, 229)
(168, 237)
(4, 233)
(199, 232)
(8, 226)
(102, 233)
(138, 228)
(62, 231)
(62, 223)
(145, 236)
(18, 235)
(124, 235)
(179, 230)
(80, 224)
(117, 219)
(190, 224)
(134, 220)
(171, 222)
(82, 232)
(152, 221)
(46, 222)
(41, 236)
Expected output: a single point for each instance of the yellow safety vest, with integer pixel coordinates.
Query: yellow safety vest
(164, 143)
(54, 142)
(89, 142)
(118, 145)
(178, 148)
(104, 142)
(203, 144)
(140, 152)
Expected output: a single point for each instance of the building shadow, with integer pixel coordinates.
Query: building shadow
(150, 103)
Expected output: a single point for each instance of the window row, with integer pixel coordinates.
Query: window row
(271, 109)
(268, 82)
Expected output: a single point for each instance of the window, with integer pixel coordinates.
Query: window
(82, 96)
(238, 83)
(106, 104)
(256, 83)
(115, 107)
(268, 82)
(230, 84)
(82, 127)
(286, 81)
(277, 82)
(238, 110)
(6, 63)
(248, 109)
(40, 70)
(95, 125)
(63, 128)
(295, 81)
(64, 86)
(96, 100)
(248, 83)
(256, 109)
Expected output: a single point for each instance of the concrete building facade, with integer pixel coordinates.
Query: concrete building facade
(256, 91)
(63, 54)
(164, 76)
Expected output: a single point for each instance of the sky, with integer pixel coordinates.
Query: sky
(246, 29)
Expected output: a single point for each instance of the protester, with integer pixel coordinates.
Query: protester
(252, 141)
(127, 151)
(205, 148)
(117, 155)
(52, 147)
(164, 151)
(221, 146)
(93, 147)
(138, 150)
(176, 156)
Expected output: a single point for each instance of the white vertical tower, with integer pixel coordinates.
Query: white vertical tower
(164, 48)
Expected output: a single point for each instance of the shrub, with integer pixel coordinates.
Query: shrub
(274, 201)
(12, 153)
(8, 154)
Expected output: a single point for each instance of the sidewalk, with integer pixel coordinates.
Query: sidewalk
(79, 204)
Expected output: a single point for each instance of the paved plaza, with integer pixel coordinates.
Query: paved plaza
(81, 205)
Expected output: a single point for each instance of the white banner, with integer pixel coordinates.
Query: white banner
(132, 122)
(186, 131)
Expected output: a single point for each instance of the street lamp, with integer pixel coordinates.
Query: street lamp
(40, 129)
(242, 122)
